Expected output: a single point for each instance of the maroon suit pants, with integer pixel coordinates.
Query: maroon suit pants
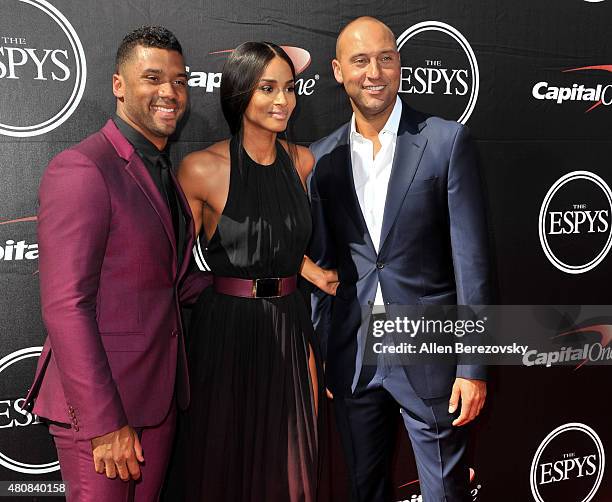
(84, 484)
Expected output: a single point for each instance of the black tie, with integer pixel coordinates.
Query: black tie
(170, 196)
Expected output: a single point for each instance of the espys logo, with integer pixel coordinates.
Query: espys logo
(209, 81)
(568, 465)
(596, 93)
(439, 70)
(25, 445)
(42, 66)
(575, 225)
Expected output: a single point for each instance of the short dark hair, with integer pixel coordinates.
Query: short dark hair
(146, 36)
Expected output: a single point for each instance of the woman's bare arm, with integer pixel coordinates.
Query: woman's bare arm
(325, 280)
(204, 177)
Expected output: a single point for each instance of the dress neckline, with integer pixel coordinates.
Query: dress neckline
(254, 162)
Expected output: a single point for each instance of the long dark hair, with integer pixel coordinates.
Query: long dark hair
(241, 73)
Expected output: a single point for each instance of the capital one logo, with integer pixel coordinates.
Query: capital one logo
(568, 465)
(417, 497)
(15, 249)
(594, 95)
(42, 68)
(575, 224)
(439, 70)
(210, 81)
(25, 445)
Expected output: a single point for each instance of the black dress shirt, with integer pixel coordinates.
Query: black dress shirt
(146, 150)
(153, 161)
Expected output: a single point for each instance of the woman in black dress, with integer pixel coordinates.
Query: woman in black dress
(251, 428)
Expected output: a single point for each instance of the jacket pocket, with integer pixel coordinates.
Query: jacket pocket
(123, 342)
(422, 185)
(443, 298)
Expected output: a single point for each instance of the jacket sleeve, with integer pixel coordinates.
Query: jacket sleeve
(468, 230)
(194, 283)
(74, 222)
(322, 252)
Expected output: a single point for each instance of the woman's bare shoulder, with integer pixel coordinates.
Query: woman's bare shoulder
(204, 171)
(304, 161)
(305, 158)
(207, 161)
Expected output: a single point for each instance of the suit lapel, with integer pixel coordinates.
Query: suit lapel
(409, 149)
(341, 157)
(137, 170)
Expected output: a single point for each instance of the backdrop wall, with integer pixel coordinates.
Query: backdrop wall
(532, 80)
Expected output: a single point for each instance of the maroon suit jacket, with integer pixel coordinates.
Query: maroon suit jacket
(108, 282)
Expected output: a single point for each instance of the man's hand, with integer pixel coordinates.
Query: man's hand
(118, 452)
(472, 394)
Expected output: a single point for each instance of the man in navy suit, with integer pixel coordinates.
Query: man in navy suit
(398, 211)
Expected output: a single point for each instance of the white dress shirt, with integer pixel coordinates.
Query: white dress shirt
(371, 175)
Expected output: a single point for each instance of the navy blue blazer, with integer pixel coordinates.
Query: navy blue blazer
(433, 247)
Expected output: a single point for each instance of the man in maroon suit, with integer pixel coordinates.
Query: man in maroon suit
(114, 232)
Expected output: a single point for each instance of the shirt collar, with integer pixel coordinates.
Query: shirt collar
(142, 145)
(392, 124)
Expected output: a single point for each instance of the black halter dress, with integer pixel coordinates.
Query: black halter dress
(251, 426)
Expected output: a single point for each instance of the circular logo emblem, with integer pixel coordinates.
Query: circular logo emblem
(568, 465)
(439, 70)
(42, 66)
(25, 444)
(575, 224)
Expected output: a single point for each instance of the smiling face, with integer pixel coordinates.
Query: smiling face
(151, 91)
(368, 65)
(273, 100)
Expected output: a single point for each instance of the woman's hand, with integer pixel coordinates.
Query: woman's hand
(325, 280)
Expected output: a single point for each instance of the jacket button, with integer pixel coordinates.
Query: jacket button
(174, 333)
(380, 265)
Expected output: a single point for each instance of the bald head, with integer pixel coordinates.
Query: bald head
(355, 33)
(368, 65)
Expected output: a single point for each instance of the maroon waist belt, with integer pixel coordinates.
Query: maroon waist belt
(272, 287)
